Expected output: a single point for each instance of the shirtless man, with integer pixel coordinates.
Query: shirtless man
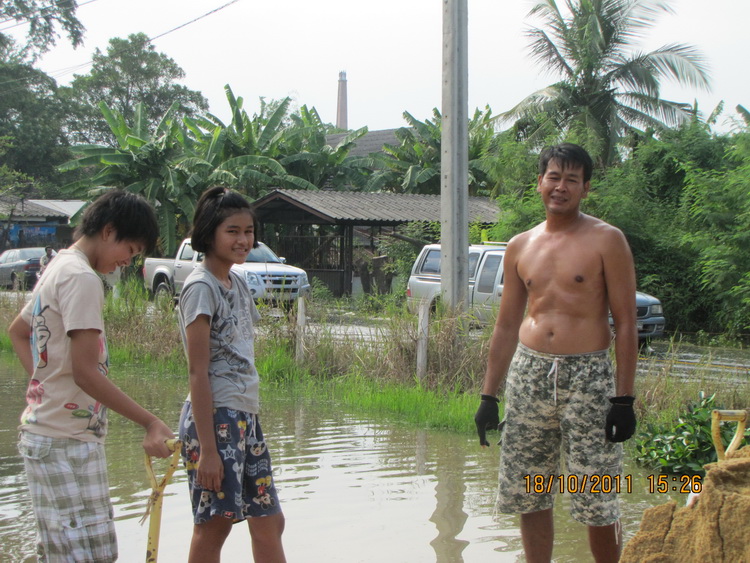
(561, 393)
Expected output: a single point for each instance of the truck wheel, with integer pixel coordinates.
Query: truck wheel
(163, 293)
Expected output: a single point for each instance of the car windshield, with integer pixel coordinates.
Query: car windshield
(262, 254)
(26, 253)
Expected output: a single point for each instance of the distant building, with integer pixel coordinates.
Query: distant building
(367, 144)
(36, 222)
(324, 227)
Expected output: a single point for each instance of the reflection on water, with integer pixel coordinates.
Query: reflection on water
(353, 488)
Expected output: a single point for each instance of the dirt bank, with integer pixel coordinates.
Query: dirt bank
(715, 529)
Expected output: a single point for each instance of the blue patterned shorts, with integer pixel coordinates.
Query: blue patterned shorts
(248, 486)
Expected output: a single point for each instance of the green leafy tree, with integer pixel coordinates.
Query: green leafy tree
(143, 162)
(42, 18)
(273, 148)
(31, 116)
(309, 156)
(413, 166)
(717, 210)
(243, 154)
(132, 72)
(604, 90)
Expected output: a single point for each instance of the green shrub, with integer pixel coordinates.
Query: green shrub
(686, 447)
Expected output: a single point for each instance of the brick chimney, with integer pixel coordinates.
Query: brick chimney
(341, 110)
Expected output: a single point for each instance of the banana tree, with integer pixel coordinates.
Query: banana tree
(243, 154)
(413, 166)
(143, 162)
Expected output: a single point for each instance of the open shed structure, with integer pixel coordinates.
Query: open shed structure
(36, 222)
(324, 227)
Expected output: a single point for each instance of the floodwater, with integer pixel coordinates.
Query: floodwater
(354, 488)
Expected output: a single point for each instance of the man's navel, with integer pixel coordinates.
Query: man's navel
(579, 278)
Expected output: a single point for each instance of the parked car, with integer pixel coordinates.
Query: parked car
(18, 267)
(486, 287)
(267, 276)
(485, 279)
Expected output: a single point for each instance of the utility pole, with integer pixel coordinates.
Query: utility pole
(454, 161)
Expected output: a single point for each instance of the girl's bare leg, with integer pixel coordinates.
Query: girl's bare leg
(208, 539)
(265, 533)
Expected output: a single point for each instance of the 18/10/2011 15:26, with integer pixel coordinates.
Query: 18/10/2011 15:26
(606, 484)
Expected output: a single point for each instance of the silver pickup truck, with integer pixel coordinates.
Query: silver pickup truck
(486, 287)
(267, 276)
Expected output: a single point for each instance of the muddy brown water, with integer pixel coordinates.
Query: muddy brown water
(354, 488)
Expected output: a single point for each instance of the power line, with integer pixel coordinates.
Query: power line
(194, 20)
(62, 72)
(40, 12)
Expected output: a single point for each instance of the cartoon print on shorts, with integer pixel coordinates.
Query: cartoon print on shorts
(204, 503)
(242, 426)
(237, 468)
(258, 448)
(191, 452)
(264, 498)
(223, 434)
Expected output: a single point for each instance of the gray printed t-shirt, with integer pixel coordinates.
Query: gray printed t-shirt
(232, 314)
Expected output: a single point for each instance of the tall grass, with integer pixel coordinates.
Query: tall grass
(377, 375)
(11, 303)
(139, 331)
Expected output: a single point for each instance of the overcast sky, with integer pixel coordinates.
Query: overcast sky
(390, 50)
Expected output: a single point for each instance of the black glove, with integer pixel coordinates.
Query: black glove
(487, 417)
(620, 424)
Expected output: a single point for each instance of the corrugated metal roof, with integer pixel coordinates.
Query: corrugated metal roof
(68, 207)
(371, 142)
(364, 208)
(26, 209)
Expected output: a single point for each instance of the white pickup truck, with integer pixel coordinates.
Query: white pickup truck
(267, 276)
(486, 287)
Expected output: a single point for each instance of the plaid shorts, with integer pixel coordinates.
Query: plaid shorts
(70, 496)
(557, 403)
(248, 487)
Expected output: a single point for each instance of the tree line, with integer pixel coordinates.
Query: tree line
(676, 187)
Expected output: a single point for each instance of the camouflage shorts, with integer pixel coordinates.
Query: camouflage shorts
(557, 404)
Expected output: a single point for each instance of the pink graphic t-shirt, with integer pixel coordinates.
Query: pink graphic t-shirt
(69, 296)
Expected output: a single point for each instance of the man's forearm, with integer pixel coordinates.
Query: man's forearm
(626, 356)
(499, 358)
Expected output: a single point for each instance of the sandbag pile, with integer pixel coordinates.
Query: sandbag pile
(715, 529)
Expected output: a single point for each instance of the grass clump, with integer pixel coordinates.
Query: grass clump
(684, 447)
(139, 331)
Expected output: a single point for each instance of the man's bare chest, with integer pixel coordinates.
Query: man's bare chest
(565, 268)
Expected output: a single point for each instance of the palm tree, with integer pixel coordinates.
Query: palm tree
(605, 89)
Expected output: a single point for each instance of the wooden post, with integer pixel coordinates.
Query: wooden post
(423, 331)
(301, 323)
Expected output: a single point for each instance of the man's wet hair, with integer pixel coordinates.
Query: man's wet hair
(215, 205)
(568, 155)
(130, 215)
